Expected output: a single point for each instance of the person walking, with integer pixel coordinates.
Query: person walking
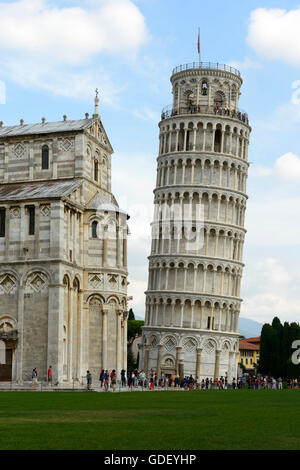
(172, 382)
(101, 378)
(50, 376)
(34, 378)
(106, 380)
(123, 377)
(143, 378)
(113, 380)
(190, 383)
(88, 380)
(152, 380)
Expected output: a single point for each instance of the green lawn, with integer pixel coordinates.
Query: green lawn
(244, 419)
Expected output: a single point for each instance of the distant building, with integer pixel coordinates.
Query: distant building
(249, 353)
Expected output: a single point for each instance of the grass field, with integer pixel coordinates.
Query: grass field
(244, 419)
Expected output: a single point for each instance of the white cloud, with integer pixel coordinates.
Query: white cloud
(56, 49)
(70, 35)
(135, 195)
(245, 64)
(136, 289)
(275, 34)
(286, 168)
(2, 92)
(269, 287)
(146, 114)
(63, 81)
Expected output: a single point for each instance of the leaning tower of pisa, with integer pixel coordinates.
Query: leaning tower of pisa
(195, 266)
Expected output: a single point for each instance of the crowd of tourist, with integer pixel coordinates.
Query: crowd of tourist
(217, 109)
(139, 380)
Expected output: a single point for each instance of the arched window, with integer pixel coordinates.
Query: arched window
(94, 229)
(45, 157)
(204, 88)
(219, 99)
(96, 170)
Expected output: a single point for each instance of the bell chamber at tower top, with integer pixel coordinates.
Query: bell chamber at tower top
(206, 88)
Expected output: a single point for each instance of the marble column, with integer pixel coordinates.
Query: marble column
(159, 349)
(125, 340)
(104, 338)
(119, 343)
(146, 359)
(217, 364)
(198, 363)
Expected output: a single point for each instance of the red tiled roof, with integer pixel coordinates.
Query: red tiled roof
(244, 345)
(253, 340)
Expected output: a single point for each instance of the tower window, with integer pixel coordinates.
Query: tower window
(31, 212)
(45, 157)
(96, 170)
(204, 89)
(219, 99)
(94, 229)
(2, 222)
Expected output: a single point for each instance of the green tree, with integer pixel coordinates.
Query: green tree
(276, 349)
(293, 370)
(265, 349)
(131, 362)
(134, 329)
(131, 315)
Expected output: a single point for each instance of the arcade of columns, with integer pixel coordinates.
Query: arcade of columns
(195, 266)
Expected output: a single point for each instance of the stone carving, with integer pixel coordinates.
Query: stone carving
(6, 325)
(189, 344)
(169, 343)
(8, 284)
(169, 362)
(45, 210)
(95, 302)
(113, 280)
(66, 144)
(36, 282)
(19, 150)
(15, 212)
(153, 342)
(209, 346)
(95, 280)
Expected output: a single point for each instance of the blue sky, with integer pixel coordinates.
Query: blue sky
(54, 54)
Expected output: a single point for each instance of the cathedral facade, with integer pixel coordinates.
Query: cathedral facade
(63, 252)
(195, 266)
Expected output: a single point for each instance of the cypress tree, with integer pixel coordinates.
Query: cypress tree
(131, 315)
(276, 352)
(276, 349)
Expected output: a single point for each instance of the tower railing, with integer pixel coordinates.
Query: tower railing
(207, 65)
(169, 111)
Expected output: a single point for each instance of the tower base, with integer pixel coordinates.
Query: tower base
(184, 352)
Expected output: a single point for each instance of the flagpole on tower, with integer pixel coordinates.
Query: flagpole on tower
(199, 50)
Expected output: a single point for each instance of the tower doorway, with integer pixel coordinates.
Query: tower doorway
(6, 369)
